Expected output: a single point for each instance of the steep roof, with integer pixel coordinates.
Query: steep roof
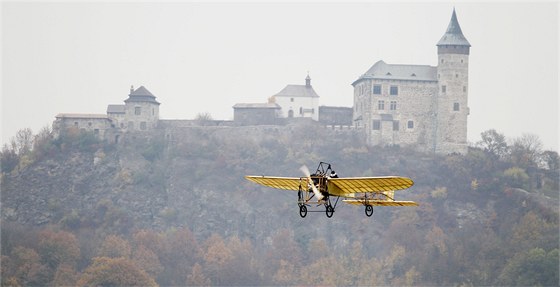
(141, 95)
(298, 91)
(453, 35)
(383, 71)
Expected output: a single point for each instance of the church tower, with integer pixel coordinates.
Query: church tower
(450, 135)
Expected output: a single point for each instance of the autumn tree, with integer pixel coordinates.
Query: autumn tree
(179, 248)
(241, 269)
(534, 267)
(120, 271)
(147, 260)
(114, 246)
(23, 268)
(284, 247)
(197, 277)
(216, 255)
(58, 247)
(65, 275)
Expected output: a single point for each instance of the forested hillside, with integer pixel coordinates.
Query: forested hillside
(171, 207)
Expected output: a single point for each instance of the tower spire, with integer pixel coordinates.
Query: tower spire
(453, 35)
(453, 41)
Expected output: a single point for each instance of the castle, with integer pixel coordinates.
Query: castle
(139, 112)
(416, 105)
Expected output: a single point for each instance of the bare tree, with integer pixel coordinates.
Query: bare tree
(23, 141)
(494, 143)
(204, 119)
(527, 150)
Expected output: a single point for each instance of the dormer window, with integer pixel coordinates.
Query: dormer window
(137, 110)
(388, 74)
(413, 75)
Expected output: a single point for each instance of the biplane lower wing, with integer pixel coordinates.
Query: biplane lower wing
(373, 202)
(287, 183)
(348, 186)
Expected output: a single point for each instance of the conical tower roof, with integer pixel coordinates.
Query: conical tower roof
(453, 35)
(141, 95)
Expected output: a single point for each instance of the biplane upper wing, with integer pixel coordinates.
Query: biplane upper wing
(348, 186)
(288, 183)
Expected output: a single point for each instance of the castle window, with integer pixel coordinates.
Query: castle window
(444, 89)
(464, 89)
(381, 105)
(395, 125)
(292, 100)
(393, 106)
(376, 125)
(394, 90)
(456, 107)
(456, 75)
(377, 89)
(89, 124)
(410, 124)
(131, 125)
(143, 125)
(442, 61)
(137, 110)
(76, 124)
(96, 131)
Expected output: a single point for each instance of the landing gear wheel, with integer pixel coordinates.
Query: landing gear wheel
(369, 210)
(302, 211)
(329, 211)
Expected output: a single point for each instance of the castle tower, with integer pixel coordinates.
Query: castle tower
(450, 135)
(141, 110)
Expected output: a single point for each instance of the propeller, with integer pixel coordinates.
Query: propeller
(306, 172)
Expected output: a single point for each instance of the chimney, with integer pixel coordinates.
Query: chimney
(131, 89)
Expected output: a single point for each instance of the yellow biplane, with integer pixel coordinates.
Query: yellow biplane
(320, 187)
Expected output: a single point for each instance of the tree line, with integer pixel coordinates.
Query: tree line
(473, 226)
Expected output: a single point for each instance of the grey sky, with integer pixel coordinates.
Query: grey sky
(205, 57)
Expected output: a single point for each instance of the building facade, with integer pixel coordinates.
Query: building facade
(140, 112)
(298, 101)
(420, 105)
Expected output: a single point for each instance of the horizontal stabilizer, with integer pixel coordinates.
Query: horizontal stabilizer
(376, 202)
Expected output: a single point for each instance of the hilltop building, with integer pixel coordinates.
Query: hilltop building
(140, 112)
(293, 101)
(421, 105)
(415, 105)
(298, 101)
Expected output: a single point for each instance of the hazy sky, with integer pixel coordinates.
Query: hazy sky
(205, 57)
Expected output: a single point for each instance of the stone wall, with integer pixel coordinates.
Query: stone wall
(335, 116)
